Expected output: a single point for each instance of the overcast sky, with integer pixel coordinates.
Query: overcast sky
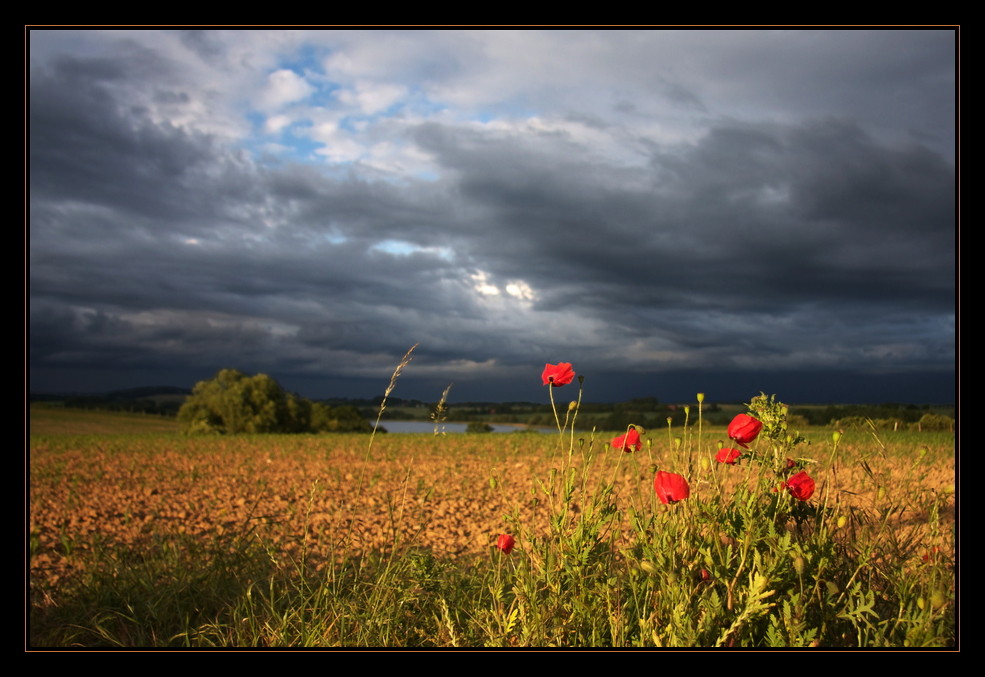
(670, 211)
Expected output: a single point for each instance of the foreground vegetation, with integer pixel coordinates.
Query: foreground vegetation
(304, 540)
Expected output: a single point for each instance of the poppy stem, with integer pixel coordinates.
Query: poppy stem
(690, 459)
(581, 387)
(550, 392)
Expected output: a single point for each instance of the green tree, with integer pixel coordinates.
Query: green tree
(344, 419)
(233, 402)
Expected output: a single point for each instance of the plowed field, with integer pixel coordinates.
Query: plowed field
(325, 497)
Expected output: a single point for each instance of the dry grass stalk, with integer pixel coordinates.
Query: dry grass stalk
(389, 389)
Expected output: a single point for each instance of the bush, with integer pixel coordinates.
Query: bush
(478, 427)
(934, 422)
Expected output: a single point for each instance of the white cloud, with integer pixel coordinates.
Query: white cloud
(283, 87)
(338, 145)
(372, 97)
(275, 123)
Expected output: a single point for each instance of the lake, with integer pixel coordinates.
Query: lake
(428, 427)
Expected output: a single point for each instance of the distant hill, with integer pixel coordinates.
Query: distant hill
(162, 400)
(165, 400)
(149, 392)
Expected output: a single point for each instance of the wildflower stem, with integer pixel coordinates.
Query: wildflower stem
(574, 417)
(690, 463)
(550, 392)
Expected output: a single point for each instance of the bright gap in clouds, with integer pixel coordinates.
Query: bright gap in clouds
(402, 248)
(518, 289)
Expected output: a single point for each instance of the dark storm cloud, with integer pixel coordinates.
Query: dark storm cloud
(774, 246)
(745, 220)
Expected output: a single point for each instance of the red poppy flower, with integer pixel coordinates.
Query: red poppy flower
(744, 428)
(505, 542)
(670, 487)
(728, 455)
(628, 442)
(800, 486)
(558, 374)
(791, 463)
